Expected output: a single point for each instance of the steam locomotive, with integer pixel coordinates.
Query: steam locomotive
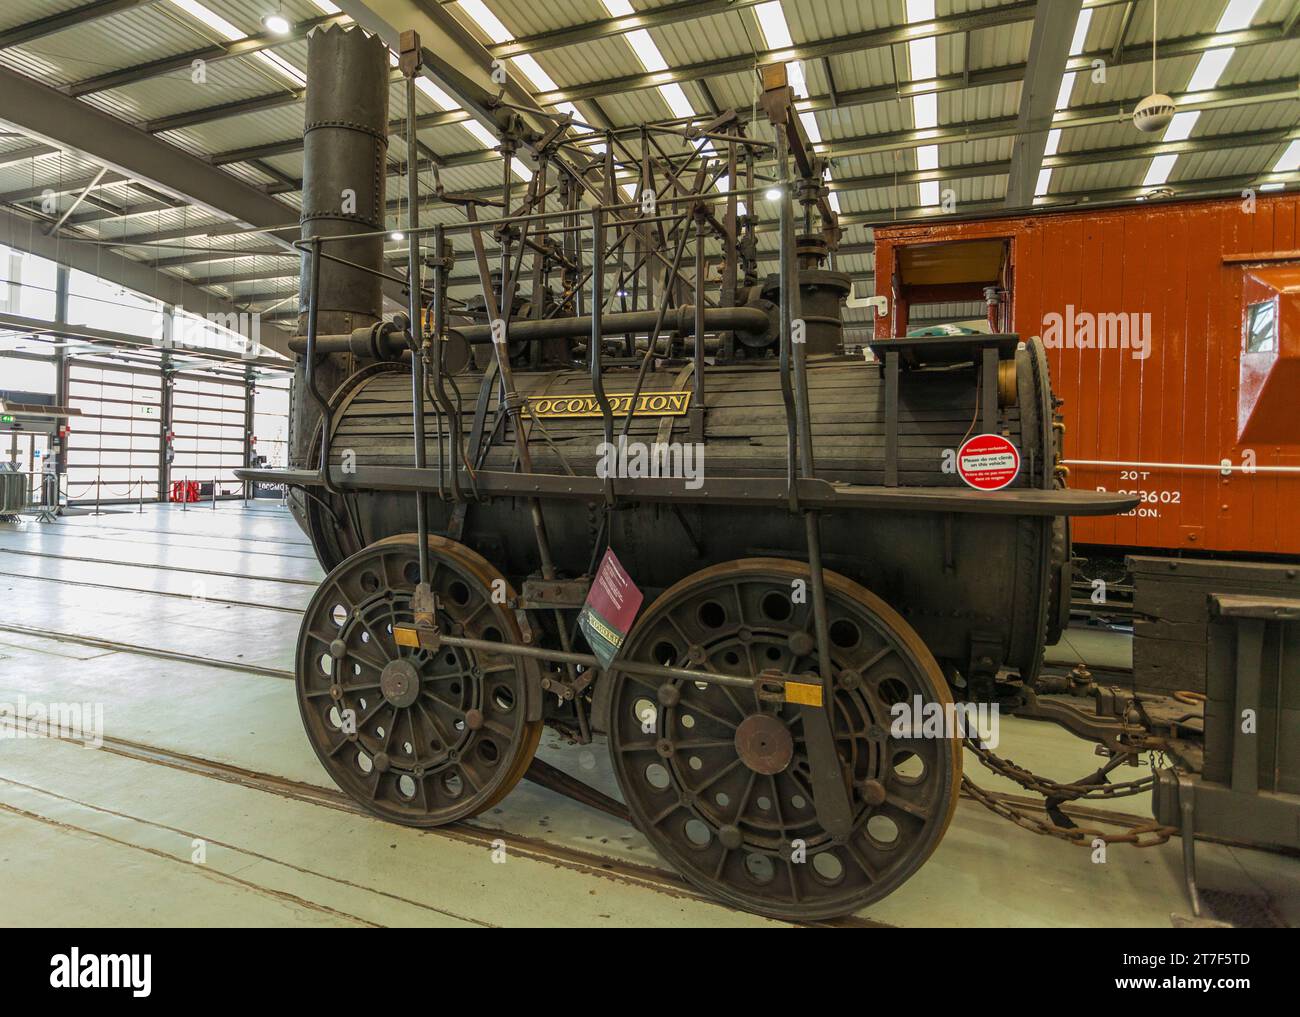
(822, 570)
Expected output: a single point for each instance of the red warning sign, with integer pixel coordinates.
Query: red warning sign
(988, 462)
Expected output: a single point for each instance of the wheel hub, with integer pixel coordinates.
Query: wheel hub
(400, 682)
(764, 744)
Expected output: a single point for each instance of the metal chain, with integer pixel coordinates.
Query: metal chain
(1051, 789)
(1143, 835)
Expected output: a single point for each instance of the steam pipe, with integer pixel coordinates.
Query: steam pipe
(750, 319)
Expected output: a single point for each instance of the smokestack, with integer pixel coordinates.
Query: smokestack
(345, 144)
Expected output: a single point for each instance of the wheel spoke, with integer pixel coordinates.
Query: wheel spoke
(759, 780)
(718, 776)
(434, 723)
(375, 586)
(694, 708)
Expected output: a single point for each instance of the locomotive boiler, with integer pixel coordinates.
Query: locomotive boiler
(482, 478)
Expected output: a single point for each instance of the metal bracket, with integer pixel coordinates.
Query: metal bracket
(549, 593)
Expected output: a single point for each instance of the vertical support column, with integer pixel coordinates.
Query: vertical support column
(61, 386)
(166, 413)
(249, 409)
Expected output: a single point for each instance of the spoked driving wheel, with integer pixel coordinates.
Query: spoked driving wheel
(417, 737)
(718, 778)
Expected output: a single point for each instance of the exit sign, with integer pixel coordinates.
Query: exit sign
(7, 418)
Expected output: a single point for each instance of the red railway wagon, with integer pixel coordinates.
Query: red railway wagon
(1174, 340)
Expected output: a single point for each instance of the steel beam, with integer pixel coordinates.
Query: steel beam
(68, 186)
(1049, 49)
(743, 63)
(453, 59)
(200, 257)
(209, 54)
(85, 192)
(55, 119)
(1274, 90)
(222, 110)
(575, 35)
(19, 233)
(129, 341)
(1125, 20)
(1112, 111)
(1191, 45)
(21, 154)
(41, 27)
(1003, 74)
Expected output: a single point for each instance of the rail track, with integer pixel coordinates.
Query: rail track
(517, 845)
(72, 530)
(1119, 818)
(192, 547)
(649, 876)
(157, 565)
(148, 651)
(157, 593)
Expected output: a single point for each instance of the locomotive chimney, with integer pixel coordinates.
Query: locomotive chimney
(345, 141)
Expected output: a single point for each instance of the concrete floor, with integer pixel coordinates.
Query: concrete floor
(103, 837)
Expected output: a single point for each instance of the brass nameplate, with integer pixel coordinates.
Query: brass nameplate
(648, 404)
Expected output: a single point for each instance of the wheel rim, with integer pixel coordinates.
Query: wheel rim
(719, 781)
(432, 737)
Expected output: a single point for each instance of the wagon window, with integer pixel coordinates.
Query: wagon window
(1261, 327)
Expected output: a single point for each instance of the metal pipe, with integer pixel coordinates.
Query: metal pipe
(831, 797)
(785, 244)
(682, 320)
(630, 666)
(76, 202)
(454, 448)
(414, 306)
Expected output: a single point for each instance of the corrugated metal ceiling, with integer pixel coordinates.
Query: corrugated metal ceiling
(161, 29)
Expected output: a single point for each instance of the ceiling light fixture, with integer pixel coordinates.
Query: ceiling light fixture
(1155, 111)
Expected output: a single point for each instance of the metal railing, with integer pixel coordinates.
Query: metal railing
(141, 491)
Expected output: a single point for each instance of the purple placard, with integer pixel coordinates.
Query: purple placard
(610, 609)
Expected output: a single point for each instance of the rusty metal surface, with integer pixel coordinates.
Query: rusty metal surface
(1184, 263)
